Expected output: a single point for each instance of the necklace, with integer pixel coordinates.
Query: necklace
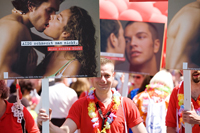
(158, 86)
(92, 111)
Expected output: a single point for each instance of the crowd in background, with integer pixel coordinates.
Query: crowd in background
(64, 92)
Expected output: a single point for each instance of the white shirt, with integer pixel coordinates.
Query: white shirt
(61, 99)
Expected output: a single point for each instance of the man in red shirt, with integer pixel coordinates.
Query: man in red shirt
(101, 110)
(10, 115)
(176, 115)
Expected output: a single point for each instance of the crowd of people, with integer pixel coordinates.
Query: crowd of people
(155, 106)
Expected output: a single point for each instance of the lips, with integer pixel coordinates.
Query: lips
(196, 74)
(102, 85)
(135, 53)
(47, 25)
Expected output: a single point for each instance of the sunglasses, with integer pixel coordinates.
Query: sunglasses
(137, 77)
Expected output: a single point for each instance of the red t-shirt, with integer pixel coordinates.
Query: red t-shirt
(83, 94)
(8, 123)
(171, 117)
(79, 114)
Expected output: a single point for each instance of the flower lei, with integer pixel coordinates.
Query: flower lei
(158, 86)
(180, 97)
(92, 111)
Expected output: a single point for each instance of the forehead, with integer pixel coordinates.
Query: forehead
(66, 13)
(137, 27)
(120, 27)
(107, 68)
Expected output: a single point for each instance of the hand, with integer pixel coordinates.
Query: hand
(191, 117)
(42, 116)
(122, 78)
(15, 11)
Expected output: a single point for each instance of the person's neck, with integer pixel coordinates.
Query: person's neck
(24, 18)
(26, 21)
(195, 90)
(105, 97)
(2, 107)
(149, 67)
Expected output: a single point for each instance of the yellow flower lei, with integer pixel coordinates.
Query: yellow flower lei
(92, 111)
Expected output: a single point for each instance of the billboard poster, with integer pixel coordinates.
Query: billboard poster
(143, 50)
(132, 39)
(183, 34)
(53, 39)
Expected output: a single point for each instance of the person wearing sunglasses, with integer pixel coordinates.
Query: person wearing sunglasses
(135, 83)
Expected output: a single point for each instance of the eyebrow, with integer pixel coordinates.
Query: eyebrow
(141, 32)
(51, 8)
(61, 16)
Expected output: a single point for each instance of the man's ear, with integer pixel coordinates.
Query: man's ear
(65, 35)
(31, 8)
(156, 45)
(114, 73)
(113, 40)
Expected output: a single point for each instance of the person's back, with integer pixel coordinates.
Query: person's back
(61, 98)
(183, 37)
(153, 102)
(12, 32)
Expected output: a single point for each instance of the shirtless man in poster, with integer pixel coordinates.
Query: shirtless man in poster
(183, 38)
(15, 28)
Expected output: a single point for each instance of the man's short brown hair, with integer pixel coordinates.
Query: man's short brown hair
(104, 61)
(23, 5)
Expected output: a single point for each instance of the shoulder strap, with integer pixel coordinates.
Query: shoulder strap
(63, 67)
(67, 65)
(124, 115)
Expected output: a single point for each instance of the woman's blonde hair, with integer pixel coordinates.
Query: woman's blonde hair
(163, 77)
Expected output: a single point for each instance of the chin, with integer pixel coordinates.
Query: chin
(40, 29)
(135, 63)
(47, 33)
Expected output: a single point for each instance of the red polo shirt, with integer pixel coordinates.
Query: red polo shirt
(171, 117)
(79, 114)
(8, 123)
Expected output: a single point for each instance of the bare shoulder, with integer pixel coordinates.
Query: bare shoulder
(73, 68)
(188, 15)
(12, 24)
(189, 11)
(74, 64)
(12, 32)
